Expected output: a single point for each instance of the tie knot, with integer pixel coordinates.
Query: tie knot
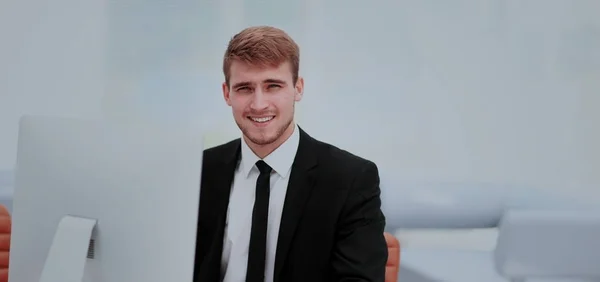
(263, 167)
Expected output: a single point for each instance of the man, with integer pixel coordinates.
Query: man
(276, 204)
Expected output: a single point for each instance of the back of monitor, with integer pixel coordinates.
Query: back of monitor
(139, 184)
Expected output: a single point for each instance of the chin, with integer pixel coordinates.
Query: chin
(261, 139)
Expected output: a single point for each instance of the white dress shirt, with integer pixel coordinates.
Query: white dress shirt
(236, 240)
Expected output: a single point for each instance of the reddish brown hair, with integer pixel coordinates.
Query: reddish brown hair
(262, 46)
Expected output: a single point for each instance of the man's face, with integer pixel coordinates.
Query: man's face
(262, 100)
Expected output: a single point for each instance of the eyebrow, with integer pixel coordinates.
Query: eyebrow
(274, 81)
(247, 83)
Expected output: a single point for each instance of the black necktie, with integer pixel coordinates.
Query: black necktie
(258, 233)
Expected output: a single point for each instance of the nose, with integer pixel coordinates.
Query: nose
(259, 101)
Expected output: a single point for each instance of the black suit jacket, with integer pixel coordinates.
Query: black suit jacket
(331, 227)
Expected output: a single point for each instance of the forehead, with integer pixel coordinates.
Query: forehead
(243, 72)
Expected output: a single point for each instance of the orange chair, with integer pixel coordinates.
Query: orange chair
(5, 228)
(392, 267)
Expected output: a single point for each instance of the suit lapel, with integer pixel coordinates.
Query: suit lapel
(301, 183)
(219, 174)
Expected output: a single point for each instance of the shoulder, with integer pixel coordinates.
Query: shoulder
(221, 152)
(341, 163)
(356, 176)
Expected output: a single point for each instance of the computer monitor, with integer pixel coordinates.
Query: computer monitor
(97, 201)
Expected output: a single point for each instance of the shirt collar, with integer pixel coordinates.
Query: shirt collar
(280, 160)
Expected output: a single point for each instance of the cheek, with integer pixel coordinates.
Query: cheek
(238, 106)
(286, 105)
(238, 111)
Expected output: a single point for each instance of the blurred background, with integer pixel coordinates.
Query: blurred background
(491, 91)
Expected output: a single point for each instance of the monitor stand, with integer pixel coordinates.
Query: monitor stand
(69, 250)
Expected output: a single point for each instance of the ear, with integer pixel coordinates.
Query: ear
(226, 93)
(299, 87)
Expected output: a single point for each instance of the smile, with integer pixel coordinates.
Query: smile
(262, 119)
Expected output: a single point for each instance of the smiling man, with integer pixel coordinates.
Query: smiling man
(277, 204)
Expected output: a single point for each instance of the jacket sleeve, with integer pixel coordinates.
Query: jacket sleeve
(360, 251)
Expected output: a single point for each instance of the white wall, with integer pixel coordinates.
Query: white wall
(495, 91)
(51, 63)
(465, 90)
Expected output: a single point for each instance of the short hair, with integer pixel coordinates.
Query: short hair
(262, 46)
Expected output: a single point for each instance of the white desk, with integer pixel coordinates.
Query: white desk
(428, 265)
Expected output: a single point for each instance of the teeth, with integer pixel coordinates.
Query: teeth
(263, 119)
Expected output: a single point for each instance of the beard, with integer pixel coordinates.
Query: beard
(265, 138)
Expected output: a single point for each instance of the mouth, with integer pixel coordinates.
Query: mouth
(261, 120)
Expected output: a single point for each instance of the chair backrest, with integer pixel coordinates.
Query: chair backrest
(5, 229)
(393, 263)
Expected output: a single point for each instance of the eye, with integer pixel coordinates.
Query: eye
(244, 89)
(274, 86)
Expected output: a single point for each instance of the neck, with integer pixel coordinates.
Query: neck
(262, 151)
